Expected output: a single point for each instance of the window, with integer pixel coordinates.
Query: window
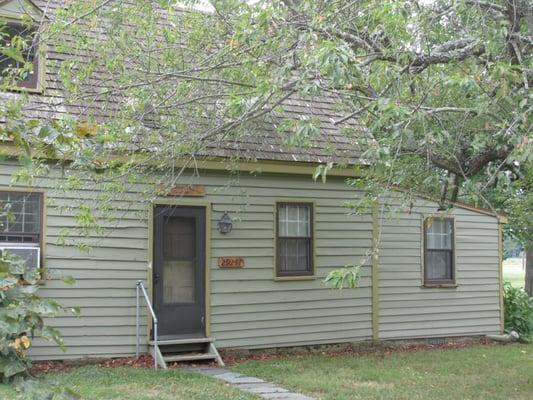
(21, 218)
(439, 265)
(20, 43)
(294, 239)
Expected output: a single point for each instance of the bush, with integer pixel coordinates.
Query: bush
(518, 311)
(22, 313)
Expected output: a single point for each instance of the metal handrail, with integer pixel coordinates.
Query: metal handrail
(140, 287)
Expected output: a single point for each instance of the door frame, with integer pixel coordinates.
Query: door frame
(149, 270)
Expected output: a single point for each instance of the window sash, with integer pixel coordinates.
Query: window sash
(294, 221)
(439, 234)
(23, 205)
(294, 256)
(439, 251)
(30, 54)
(294, 241)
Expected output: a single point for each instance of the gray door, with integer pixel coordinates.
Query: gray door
(179, 270)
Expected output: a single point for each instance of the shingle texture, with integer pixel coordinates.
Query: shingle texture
(263, 142)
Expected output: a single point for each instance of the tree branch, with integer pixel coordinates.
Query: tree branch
(479, 161)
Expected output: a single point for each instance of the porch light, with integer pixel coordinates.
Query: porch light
(225, 224)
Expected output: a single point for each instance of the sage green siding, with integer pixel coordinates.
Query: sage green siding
(409, 310)
(248, 307)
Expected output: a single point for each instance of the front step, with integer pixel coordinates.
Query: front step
(182, 341)
(190, 357)
(179, 349)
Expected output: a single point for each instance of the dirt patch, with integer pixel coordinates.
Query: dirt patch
(144, 361)
(379, 349)
(382, 349)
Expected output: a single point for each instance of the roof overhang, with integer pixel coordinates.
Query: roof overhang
(16, 9)
(227, 164)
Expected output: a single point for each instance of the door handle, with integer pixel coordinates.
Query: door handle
(156, 277)
(203, 320)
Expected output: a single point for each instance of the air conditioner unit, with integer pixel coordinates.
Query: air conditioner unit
(32, 255)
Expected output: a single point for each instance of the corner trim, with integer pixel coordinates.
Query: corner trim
(375, 271)
(500, 276)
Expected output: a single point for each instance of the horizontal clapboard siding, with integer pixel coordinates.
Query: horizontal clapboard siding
(408, 310)
(248, 308)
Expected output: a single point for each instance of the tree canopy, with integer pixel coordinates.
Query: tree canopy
(444, 87)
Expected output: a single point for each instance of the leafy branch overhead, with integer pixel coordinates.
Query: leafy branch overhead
(428, 95)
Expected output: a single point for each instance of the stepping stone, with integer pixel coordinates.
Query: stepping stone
(264, 389)
(236, 379)
(285, 396)
(213, 371)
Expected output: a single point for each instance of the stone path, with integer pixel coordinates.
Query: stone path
(250, 384)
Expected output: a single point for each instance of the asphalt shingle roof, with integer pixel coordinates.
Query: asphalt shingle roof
(264, 143)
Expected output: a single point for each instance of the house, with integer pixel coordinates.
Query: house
(244, 263)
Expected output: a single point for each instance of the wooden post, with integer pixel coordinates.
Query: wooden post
(375, 271)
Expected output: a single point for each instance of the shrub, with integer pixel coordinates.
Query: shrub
(22, 313)
(518, 311)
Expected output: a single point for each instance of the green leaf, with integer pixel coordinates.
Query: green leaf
(14, 53)
(347, 277)
(10, 366)
(69, 280)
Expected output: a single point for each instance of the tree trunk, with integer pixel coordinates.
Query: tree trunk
(529, 272)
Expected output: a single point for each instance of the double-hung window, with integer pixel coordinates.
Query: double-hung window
(294, 239)
(21, 225)
(439, 259)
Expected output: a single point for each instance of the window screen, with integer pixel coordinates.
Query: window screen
(439, 251)
(294, 239)
(20, 217)
(22, 39)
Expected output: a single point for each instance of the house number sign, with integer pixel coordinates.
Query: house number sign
(230, 262)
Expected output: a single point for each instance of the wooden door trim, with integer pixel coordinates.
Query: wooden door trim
(149, 269)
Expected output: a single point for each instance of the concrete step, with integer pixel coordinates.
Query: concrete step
(189, 357)
(169, 342)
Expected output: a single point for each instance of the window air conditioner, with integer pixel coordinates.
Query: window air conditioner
(32, 255)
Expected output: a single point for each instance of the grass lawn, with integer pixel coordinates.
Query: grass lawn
(514, 272)
(483, 372)
(139, 384)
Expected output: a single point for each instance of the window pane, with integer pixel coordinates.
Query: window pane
(178, 234)
(20, 215)
(282, 221)
(303, 221)
(294, 220)
(439, 234)
(179, 259)
(293, 255)
(28, 48)
(439, 265)
(179, 282)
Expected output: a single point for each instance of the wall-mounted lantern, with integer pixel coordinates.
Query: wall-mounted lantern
(225, 224)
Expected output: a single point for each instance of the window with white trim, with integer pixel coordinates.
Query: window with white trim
(21, 225)
(20, 217)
